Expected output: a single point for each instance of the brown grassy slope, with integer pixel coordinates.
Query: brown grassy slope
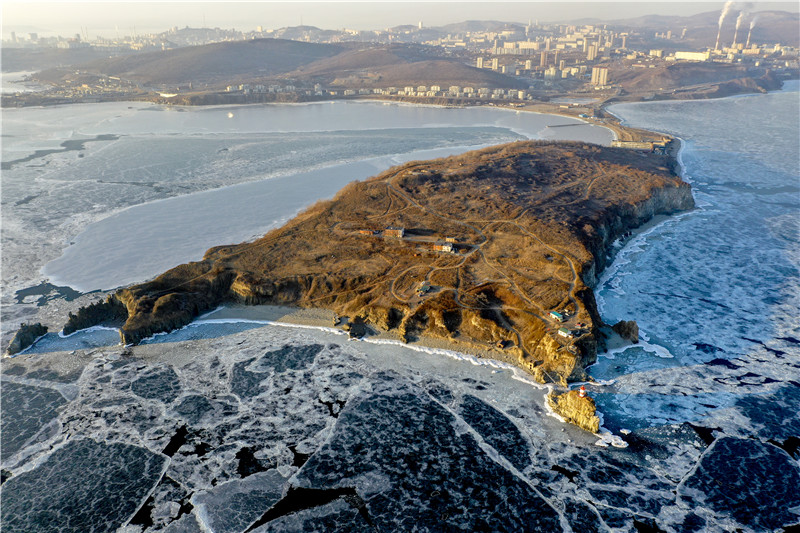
(531, 220)
(680, 75)
(443, 73)
(215, 62)
(385, 67)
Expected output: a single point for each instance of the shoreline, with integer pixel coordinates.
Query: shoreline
(322, 319)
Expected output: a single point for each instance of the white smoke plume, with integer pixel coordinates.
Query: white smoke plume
(725, 10)
(752, 25)
(739, 21)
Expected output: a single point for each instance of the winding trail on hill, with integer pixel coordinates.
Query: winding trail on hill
(521, 342)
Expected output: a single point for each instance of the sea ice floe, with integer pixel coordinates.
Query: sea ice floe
(55, 493)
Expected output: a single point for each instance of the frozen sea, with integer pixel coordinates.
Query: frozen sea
(715, 290)
(233, 424)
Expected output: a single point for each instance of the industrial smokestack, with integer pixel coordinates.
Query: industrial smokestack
(752, 25)
(739, 20)
(725, 10)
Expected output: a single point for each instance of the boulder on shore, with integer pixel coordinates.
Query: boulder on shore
(627, 329)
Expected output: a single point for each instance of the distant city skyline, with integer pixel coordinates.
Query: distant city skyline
(109, 18)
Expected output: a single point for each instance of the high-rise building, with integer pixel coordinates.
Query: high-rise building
(479, 62)
(591, 54)
(495, 63)
(600, 76)
(543, 59)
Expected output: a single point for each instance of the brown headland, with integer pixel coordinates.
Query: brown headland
(497, 248)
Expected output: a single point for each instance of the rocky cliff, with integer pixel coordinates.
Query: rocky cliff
(25, 336)
(499, 250)
(575, 409)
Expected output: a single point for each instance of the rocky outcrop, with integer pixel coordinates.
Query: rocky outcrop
(627, 329)
(576, 410)
(109, 311)
(25, 336)
(173, 300)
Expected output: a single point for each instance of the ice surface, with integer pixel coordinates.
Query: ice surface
(753, 482)
(232, 507)
(82, 486)
(726, 274)
(339, 515)
(443, 474)
(27, 413)
(497, 430)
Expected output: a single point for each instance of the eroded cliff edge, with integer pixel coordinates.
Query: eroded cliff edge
(497, 248)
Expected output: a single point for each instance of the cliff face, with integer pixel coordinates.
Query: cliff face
(499, 251)
(620, 219)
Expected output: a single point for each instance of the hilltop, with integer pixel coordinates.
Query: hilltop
(485, 247)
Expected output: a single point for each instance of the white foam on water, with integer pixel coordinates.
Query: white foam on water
(63, 335)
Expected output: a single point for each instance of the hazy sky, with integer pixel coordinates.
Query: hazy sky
(103, 17)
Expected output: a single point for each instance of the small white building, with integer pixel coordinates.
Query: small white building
(564, 332)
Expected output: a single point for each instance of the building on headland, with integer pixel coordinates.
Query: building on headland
(393, 231)
(442, 246)
(566, 333)
(649, 146)
(555, 315)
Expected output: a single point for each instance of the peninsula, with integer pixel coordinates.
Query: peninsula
(497, 248)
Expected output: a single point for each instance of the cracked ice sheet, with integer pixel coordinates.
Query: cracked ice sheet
(751, 482)
(29, 414)
(406, 480)
(335, 516)
(265, 400)
(82, 486)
